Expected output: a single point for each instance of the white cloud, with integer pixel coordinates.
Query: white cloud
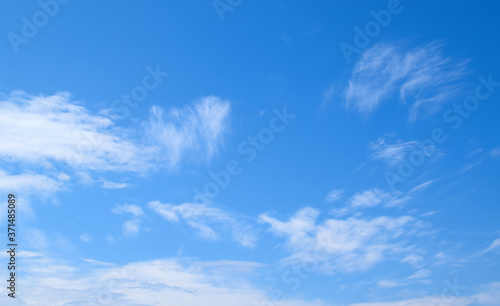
(51, 241)
(344, 244)
(329, 93)
(429, 213)
(422, 186)
(97, 262)
(494, 245)
(209, 221)
(86, 237)
(413, 260)
(451, 295)
(495, 152)
(420, 274)
(422, 77)
(370, 198)
(63, 177)
(489, 295)
(375, 197)
(391, 153)
(28, 183)
(114, 185)
(55, 281)
(46, 129)
(128, 208)
(388, 283)
(191, 131)
(131, 228)
(48, 132)
(334, 195)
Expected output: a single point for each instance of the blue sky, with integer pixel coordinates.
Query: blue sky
(252, 152)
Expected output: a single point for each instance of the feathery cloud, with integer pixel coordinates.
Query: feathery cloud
(391, 153)
(494, 245)
(370, 198)
(423, 78)
(193, 130)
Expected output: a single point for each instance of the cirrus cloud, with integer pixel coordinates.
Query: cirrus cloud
(423, 78)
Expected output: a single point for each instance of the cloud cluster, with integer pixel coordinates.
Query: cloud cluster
(50, 281)
(348, 245)
(54, 132)
(54, 129)
(132, 226)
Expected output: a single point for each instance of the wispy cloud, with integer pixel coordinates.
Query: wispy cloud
(423, 78)
(495, 152)
(334, 195)
(420, 274)
(388, 283)
(429, 213)
(494, 245)
(413, 260)
(330, 92)
(86, 237)
(208, 221)
(375, 196)
(422, 186)
(370, 198)
(131, 227)
(114, 185)
(191, 131)
(391, 152)
(128, 208)
(452, 294)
